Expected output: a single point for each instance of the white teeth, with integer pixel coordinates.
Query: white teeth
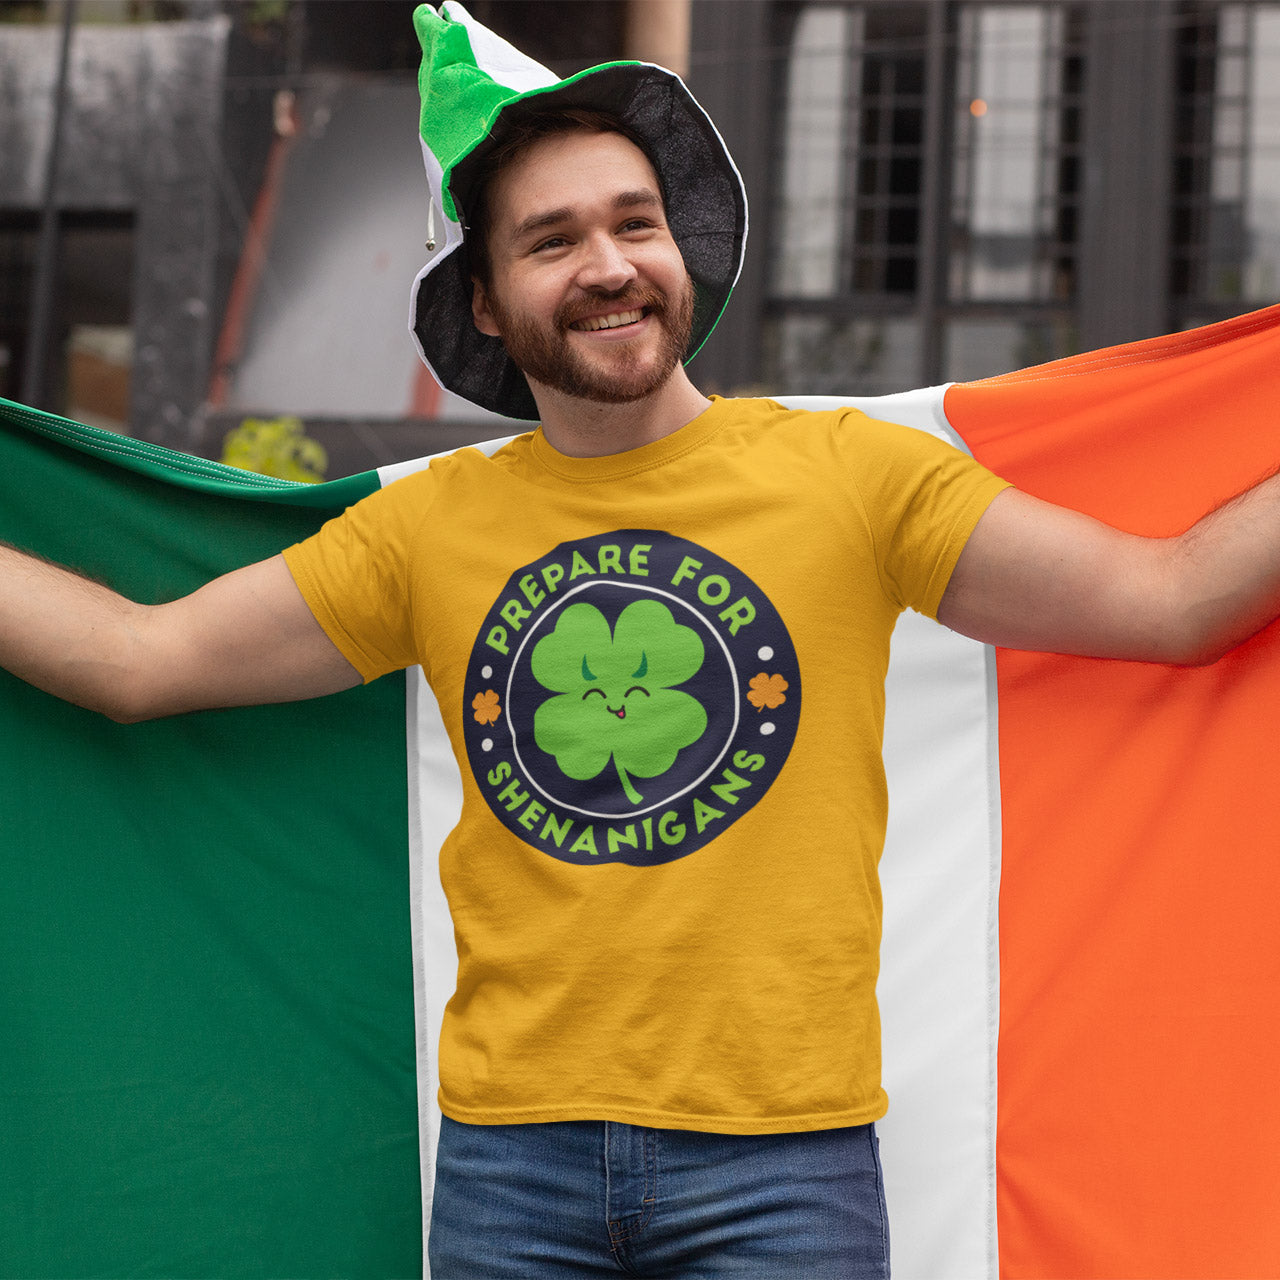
(609, 322)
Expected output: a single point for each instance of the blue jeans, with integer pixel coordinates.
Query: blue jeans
(597, 1198)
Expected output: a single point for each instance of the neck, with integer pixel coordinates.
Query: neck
(592, 429)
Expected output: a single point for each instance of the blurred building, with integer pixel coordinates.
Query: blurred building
(948, 190)
(940, 189)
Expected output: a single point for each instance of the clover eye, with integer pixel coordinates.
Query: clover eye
(637, 688)
(589, 692)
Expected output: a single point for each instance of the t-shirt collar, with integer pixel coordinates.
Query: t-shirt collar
(615, 466)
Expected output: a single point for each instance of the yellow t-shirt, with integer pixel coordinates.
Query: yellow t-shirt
(662, 675)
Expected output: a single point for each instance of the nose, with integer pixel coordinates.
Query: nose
(605, 265)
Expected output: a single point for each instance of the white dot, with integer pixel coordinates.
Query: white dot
(765, 654)
(486, 672)
(768, 727)
(487, 744)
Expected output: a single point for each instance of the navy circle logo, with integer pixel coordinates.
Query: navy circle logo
(628, 698)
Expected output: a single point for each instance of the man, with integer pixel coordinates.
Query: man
(662, 1056)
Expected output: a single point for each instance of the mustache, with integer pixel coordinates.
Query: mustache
(629, 299)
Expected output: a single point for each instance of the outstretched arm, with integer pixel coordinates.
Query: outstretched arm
(1037, 576)
(246, 637)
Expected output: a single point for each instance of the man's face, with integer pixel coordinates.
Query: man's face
(587, 289)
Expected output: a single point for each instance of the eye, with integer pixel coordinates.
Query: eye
(550, 243)
(589, 692)
(637, 688)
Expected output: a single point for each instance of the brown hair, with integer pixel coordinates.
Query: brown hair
(521, 132)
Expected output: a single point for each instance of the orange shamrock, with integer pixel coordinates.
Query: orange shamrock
(767, 691)
(485, 706)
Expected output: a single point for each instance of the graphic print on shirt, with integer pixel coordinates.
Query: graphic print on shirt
(628, 698)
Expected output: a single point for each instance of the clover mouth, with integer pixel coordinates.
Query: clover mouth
(613, 321)
(620, 712)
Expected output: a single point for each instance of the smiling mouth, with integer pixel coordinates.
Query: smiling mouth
(614, 321)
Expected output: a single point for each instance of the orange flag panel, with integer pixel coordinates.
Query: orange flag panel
(1139, 1119)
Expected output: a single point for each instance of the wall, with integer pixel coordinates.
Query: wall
(142, 136)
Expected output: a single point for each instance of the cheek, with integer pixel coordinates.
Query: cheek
(534, 296)
(667, 263)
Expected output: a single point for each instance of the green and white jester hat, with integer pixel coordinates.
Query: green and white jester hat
(473, 84)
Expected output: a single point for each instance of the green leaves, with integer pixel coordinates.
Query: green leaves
(614, 696)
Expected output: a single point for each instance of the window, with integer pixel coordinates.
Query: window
(1226, 166)
(924, 223)
(931, 212)
(89, 357)
(1016, 188)
(848, 209)
(1017, 162)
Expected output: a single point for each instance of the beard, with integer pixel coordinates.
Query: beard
(543, 353)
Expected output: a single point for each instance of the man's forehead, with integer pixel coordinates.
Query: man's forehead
(556, 175)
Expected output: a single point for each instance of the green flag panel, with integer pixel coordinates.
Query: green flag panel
(206, 996)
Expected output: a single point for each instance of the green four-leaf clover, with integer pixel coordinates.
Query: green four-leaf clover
(614, 698)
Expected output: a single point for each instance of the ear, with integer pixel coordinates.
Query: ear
(480, 311)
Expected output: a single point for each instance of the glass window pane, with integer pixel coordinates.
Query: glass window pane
(1231, 75)
(1228, 124)
(1015, 164)
(1226, 215)
(1232, 29)
(1262, 267)
(813, 177)
(1228, 180)
(1009, 82)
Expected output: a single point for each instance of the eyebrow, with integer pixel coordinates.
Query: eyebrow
(642, 198)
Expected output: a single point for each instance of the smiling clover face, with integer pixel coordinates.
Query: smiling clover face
(614, 696)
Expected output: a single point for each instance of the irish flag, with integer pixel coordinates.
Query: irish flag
(224, 950)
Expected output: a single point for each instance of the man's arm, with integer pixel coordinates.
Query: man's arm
(1037, 576)
(246, 637)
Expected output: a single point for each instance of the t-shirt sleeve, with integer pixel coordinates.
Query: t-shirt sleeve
(355, 576)
(922, 498)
